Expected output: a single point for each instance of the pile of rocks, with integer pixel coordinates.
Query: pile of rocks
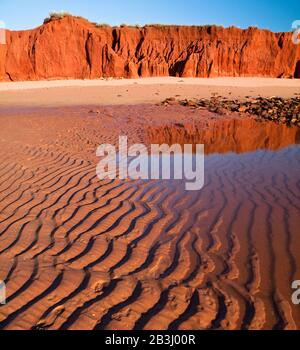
(280, 110)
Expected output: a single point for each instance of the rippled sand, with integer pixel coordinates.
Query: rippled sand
(79, 253)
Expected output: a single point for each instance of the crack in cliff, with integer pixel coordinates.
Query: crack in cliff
(241, 56)
(280, 42)
(297, 70)
(31, 54)
(115, 40)
(9, 76)
(87, 53)
(210, 68)
(138, 47)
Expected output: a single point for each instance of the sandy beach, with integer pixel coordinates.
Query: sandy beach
(137, 91)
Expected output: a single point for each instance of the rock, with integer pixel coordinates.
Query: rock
(286, 111)
(234, 107)
(170, 101)
(94, 111)
(213, 109)
(243, 109)
(75, 48)
(192, 103)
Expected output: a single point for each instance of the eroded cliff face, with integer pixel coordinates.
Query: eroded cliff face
(75, 48)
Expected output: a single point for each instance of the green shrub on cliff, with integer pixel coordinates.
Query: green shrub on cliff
(56, 15)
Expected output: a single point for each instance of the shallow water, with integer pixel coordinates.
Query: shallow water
(240, 233)
(234, 244)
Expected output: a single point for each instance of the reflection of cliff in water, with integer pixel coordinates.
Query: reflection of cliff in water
(228, 135)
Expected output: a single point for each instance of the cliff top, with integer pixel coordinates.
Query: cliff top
(69, 18)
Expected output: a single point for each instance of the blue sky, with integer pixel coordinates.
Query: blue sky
(275, 15)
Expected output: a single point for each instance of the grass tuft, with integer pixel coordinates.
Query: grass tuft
(53, 16)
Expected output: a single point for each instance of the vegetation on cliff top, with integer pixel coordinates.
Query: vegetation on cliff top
(53, 16)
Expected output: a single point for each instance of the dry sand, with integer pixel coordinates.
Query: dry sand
(79, 253)
(133, 91)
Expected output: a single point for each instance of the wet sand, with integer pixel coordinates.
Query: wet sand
(79, 253)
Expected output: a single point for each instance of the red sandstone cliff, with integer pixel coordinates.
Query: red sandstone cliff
(75, 48)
